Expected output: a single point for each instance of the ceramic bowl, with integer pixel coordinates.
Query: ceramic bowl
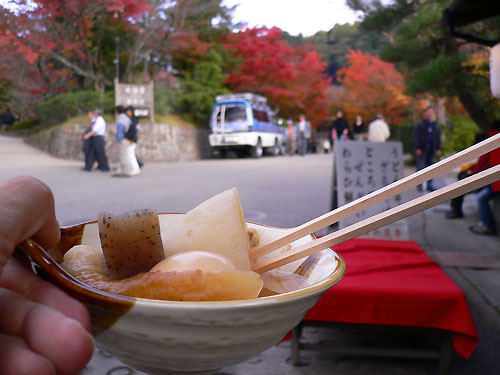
(167, 337)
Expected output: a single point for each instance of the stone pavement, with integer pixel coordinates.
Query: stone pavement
(470, 260)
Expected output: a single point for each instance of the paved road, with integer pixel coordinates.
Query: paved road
(283, 191)
(276, 191)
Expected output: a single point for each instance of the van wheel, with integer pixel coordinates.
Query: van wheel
(257, 150)
(275, 150)
(222, 153)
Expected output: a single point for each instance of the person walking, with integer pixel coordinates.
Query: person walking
(86, 147)
(427, 142)
(97, 143)
(378, 130)
(359, 129)
(291, 138)
(133, 131)
(302, 136)
(128, 165)
(339, 129)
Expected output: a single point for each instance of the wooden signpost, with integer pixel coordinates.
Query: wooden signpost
(141, 97)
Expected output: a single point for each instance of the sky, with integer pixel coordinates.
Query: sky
(294, 16)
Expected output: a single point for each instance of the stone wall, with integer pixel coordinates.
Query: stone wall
(157, 142)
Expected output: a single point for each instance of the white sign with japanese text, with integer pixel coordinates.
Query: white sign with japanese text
(363, 167)
(139, 96)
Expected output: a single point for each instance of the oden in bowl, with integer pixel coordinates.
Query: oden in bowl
(172, 337)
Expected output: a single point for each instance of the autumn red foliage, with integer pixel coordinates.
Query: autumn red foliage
(63, 36)
(293, 79)
(372, 86)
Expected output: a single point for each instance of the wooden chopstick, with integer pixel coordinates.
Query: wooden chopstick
(377, 196)
(444, 194)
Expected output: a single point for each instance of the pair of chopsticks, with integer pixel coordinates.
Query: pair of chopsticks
(486, 177)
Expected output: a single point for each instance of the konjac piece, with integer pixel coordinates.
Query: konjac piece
(131, 242)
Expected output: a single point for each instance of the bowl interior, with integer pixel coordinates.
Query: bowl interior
(325, 267)
(312, 274)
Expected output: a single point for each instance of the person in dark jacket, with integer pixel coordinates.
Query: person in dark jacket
(340, 128)
(7, 117)
(86, 146)
(132, 133)
(427, 142)
(359, 129)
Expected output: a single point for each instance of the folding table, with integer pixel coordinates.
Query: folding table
(394, 284)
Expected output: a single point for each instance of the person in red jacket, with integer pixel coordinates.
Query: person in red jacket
(466, 171)
(487, 225)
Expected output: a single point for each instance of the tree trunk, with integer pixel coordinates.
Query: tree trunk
(475, 111)
(99, 86)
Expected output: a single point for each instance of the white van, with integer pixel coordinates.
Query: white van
(244, 123)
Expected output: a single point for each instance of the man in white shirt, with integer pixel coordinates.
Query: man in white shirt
(97, 143)
(378, 130)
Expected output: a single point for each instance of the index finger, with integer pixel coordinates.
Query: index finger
(26, 211)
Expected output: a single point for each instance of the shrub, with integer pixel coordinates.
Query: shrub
(403, 132)
(26, 124)
(459, 134)
(59, 108)
(164, 99)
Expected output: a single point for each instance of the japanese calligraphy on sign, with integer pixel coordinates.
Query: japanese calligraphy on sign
(363, 167)
(139, 96)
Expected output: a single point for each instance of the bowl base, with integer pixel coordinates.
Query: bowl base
(163, 371)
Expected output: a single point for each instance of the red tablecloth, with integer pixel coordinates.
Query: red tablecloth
(395, 283)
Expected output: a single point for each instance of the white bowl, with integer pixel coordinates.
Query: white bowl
(167, 337)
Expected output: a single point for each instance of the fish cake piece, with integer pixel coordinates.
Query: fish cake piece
(131, 242)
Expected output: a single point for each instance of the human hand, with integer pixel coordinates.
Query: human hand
(418, 152)
(438, 153)
(42, 330)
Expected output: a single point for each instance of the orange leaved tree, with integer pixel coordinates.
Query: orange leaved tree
(372, 86)
(292, 78)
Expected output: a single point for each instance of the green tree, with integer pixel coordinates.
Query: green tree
(459, 135)
(432, 61)
(199, 88)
